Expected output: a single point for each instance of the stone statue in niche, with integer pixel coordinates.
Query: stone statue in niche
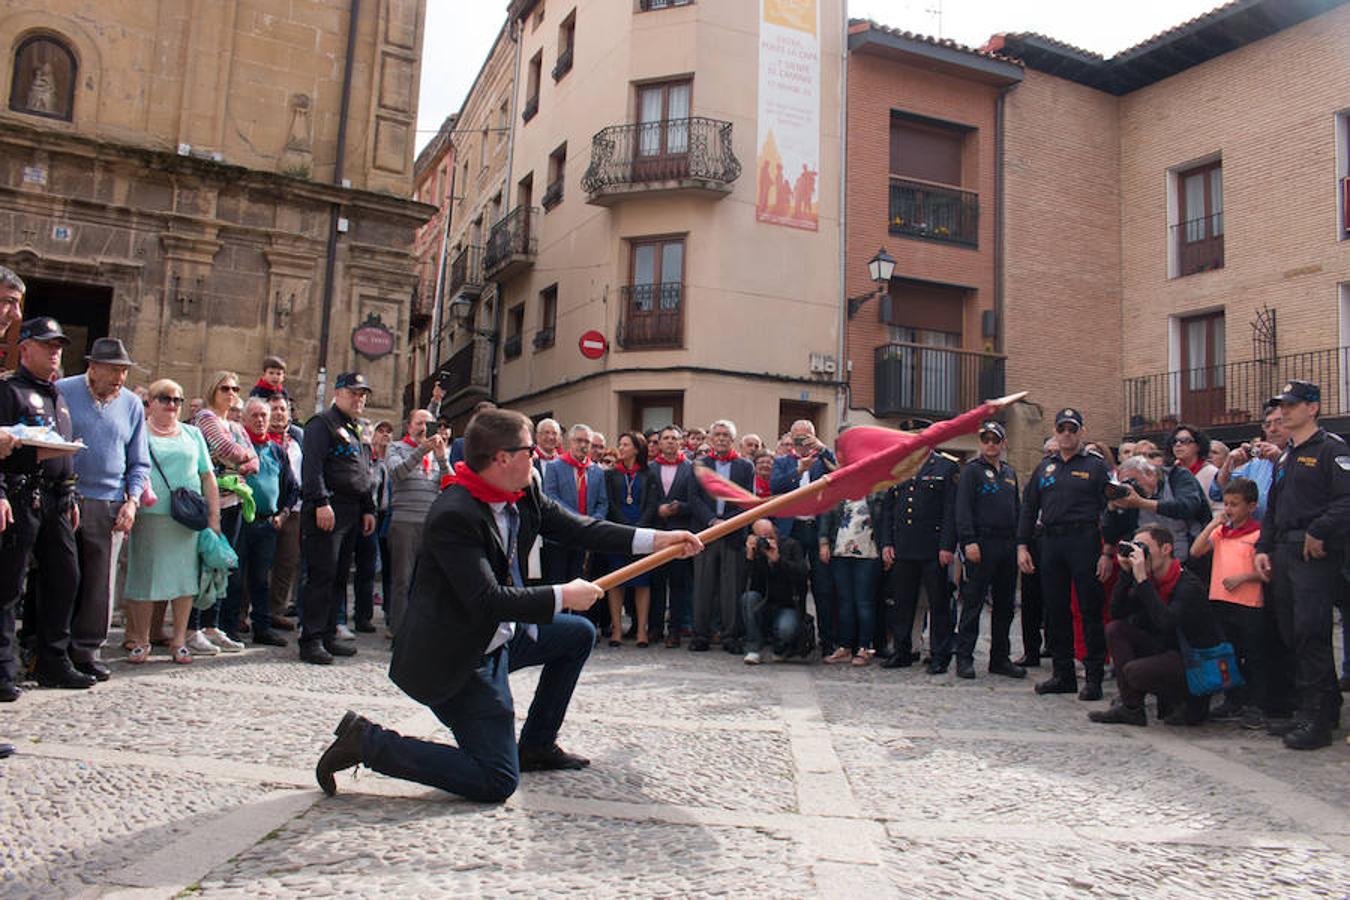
(42, 92)
(298, 137)
(43, 78)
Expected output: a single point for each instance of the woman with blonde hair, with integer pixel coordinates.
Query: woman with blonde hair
(162, 554)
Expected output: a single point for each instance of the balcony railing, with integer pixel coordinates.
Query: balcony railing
(553, 195)
(531, 107)
(934, 382)
(673, 154)
(469, 367)
(1199, 244)
(649, 5)
(1234, 393)
(934, 213)
(511, 243)
(563, 65)
(653, 316)
(466, 273)
(511, 346)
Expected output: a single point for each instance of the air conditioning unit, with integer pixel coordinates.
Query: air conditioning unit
(823, 364)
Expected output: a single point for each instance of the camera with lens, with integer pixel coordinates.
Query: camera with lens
(1117, 491)
(1126, 549)
(762, 545)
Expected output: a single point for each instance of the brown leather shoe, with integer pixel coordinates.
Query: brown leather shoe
(343, 753)
(550, 758)
(281, 623)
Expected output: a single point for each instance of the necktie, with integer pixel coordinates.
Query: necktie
(513, 558)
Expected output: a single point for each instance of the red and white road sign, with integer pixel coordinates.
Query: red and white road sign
(593, 345)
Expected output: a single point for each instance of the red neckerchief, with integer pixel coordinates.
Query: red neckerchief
(730, 455)
(581, 466)
(426, 457)
(257, 439)
(1246, 527)
(541, 454)
(762, 487)
(265, 385)
(1196, 466)
(281, 438)
(679, 458)
(479, 489)
(1169, 581)
(620, 467)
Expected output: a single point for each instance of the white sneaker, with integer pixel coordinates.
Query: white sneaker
(752, 658)
(222, 640)
(200, 646)
(345, 633)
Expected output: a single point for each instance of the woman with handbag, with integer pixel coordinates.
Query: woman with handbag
(162, 552)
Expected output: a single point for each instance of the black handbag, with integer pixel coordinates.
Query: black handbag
(186, 506)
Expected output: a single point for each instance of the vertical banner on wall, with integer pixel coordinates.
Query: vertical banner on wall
(788, 164)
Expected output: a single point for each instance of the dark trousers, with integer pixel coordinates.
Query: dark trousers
(996, 572)
(256, 547)
(1281, 698)
(43, 533)
(719, 575)
(855, 587)
(822, 583)
(1244, 627)
(327, 557)
(671, 586)
(908, 576)
(1144, 666)
(1070, 561)
(1304, 592)
(367, 554)
(98, 549)
(1033, 607)
(481, 715)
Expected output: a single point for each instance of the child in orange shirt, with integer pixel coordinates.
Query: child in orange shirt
(1235, 589)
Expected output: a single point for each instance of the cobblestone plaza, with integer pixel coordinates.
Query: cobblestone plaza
(709, 778)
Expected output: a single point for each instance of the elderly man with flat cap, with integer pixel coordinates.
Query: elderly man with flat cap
(38, 513)
(113, 470)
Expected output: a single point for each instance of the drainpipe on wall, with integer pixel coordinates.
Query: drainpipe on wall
(330, 262)
(499, 317)
(438, 301)
(844, 378)
(998, 218)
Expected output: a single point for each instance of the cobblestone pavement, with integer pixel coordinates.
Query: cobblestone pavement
(709, 778)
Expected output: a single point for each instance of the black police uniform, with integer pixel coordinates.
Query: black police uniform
(918, 520)
(336, 471)
(1310, 495)
(986, 515)
(41, 496)
(1069, 497)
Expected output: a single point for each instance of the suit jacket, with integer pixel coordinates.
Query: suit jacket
(616, 489)
(705, 506)
(462, 590)
(560, 483)
(785, 479)
(682, 491)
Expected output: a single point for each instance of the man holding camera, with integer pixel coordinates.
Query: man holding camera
(1255, 460)
(1067, 491)
(810, 460)
(1307, 521)
(1153, 600)
(777, 568)
(1148, 494)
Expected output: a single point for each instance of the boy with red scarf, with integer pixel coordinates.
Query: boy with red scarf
(1153, 600)
(719, 574)
(273, 380)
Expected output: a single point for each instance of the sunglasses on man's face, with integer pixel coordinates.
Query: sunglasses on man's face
(1062, 427)
(529, 447)
(990, 438)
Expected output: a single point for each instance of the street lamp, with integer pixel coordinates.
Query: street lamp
(879, 268)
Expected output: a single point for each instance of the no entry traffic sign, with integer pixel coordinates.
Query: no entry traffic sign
(593, 345)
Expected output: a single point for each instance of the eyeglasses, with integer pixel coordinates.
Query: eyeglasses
(529, 447)
(232, 388)
(989, 437)
(1156, 454)
(1062, 427)
(1182, 440)
(170, 401)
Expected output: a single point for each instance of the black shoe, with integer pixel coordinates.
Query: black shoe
(1057, 684)
(936, 668)
(314, 653)
(1308, 736)
(965, 668)
(550, 758)
(1008, 669)
(898, 660)
(1028, 661)
(1226, 710)
(1345, 683)
(364, 627)
(1181, 717)
(1279, 727)
(343, 753)
(1092, 690)
(1119, 714)
(698, 645)
(64, 675)
(268, 638)
(1253, 719)
(9, 692)
(95, 668)
(734, 646)
(6, 751)
(339, 648)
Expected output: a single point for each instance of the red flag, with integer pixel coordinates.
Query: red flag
(871, 459)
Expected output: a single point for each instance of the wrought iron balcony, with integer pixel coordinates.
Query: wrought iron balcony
(649, 5)
(511, 244)
(652, 316)
(511, 346)
(934, 213)
(687, 155)
(543, 339)
(563, 65)
(1199, 244)
(553, 194)
(531, 107)
(466, 274)
(933, 382)
(1231, 394)
(466, 374)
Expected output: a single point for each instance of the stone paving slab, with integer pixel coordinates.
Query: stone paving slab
(913, 704)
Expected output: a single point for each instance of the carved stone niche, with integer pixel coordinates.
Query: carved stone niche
(296, 156)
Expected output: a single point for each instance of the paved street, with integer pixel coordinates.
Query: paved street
(708, 778)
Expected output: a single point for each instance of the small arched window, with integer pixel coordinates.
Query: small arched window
(43, 82)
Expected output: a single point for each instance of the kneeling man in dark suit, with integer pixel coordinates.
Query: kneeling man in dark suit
(470, 621)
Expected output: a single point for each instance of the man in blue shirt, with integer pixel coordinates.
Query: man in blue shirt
(113, 471)
(1256, 464)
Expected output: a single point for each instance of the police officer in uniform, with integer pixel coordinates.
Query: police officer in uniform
(986, 528)
(1068, 492)
(1305, 527)
(918, 543)
(337, 506)
(38, 514)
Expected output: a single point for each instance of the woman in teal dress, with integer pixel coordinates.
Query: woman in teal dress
(162, 555)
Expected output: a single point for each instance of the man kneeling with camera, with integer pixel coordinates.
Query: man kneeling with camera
(777, 570)
(1152, 600)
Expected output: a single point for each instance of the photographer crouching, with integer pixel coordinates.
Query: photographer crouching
(1152, 600)
(777, 570)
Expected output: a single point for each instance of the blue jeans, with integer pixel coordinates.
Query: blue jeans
(782, 620)
(855, 584)
(256, 547)
(486, 765)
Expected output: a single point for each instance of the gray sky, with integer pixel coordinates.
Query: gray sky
(459, 33)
